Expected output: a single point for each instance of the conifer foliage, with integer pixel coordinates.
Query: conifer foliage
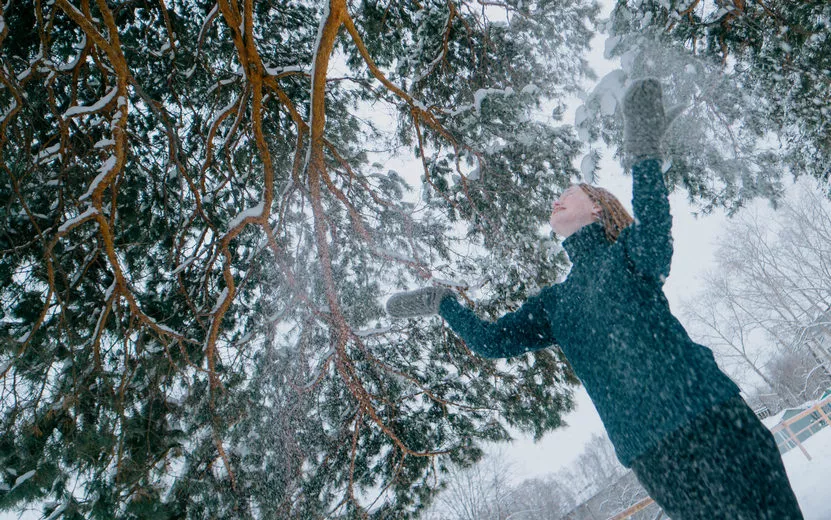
(199, 228)
(755, 77)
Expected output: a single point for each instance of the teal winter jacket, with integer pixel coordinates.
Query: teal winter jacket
(644, 374)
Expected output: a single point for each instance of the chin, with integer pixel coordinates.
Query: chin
(559, 228)
(560, 232)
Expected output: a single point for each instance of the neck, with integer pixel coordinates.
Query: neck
(585, 241)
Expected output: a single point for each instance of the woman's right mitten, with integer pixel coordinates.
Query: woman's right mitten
(644, 120)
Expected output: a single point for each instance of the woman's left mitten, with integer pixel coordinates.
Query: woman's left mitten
(421, 302)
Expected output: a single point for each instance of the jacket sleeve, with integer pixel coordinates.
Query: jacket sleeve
(649, 241)
(513, 334)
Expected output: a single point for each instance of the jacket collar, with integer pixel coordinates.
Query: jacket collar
(586, 242)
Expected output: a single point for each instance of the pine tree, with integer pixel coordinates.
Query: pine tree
(199, 227)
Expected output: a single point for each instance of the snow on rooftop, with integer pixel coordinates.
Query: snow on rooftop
(773, 420)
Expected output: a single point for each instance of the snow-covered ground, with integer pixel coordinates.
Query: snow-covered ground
(811, 479)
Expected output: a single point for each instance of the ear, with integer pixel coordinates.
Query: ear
(597, 211)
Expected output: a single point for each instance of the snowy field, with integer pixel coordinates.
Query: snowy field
(811, 480)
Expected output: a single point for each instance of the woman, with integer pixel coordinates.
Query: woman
(672, 415)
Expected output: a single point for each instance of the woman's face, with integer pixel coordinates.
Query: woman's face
(573, 210)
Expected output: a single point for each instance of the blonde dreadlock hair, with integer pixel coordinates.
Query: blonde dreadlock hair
(613, 215)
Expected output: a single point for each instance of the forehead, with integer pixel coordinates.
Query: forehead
(571, 190)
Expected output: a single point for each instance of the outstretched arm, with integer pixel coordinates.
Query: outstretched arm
(513, 334)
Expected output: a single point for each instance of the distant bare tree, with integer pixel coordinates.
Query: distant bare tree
(485, 492)
(770, 294)
(600, 485)
(723, 323)
(594, 469)
(546, 498)
(796, 373)
(480, 492)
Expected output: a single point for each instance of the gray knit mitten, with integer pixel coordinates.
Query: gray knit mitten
(645, 120)
(421, 302)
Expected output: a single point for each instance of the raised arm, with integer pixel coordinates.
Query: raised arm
(649, 244)
(649, 240)
(513, 334)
